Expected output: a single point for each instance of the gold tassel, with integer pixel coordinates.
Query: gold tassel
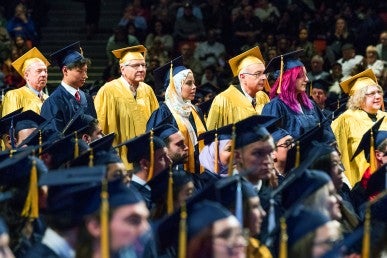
(280, 75)
(76, 147)
(310, 89)
(373, 161)
(31, 205)
(152, 157)
(91, 158)
(365, 252)
(183, 232)
(105, 250)
(40, 142)
(297, 161)
(216, 153)
(170, 192)
(283, 248)
(231, 162)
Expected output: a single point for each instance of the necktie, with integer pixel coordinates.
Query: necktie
(254, 102)
(77, 97)
(40, 95)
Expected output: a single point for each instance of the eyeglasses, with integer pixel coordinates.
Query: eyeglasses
(373, 93)
(256, 75)
(136, 66)
(287, 144)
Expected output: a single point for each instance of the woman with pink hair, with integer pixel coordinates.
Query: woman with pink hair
(289, 98)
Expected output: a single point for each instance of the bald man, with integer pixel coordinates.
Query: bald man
(32, 66)
(244, 99)
(125, 104)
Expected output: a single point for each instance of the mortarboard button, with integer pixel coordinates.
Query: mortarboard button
(360, 80)
(130, 53)
(22, 62)
(162, 74)
(251, 56)
(67, 55)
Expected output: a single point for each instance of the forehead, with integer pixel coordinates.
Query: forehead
(255, 67)
(37, 64)
(261, 145)
(138, 209)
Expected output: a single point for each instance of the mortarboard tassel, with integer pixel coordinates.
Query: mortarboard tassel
(183, 231)
(152, 156)
(76, 147)
(91, 158)
(170, 192)
(283, 248)
(373, 161)
(238, 203)
(310, 89)
(280, 75)
(231, 161)
(266, 86)
(40, 142)
(105, 250)
(297, 161)
(11, 135)
(216, 151)
(365, 251)
(31, 205)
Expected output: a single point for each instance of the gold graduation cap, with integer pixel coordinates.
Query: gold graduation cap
(130, 53)
(360, 80)
(22, 62)
(251, 56)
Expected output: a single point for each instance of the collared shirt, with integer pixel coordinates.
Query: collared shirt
(69, 89)
(247, 95)
(57, 244)
(140, 181)
(34, 90)
(127, 84)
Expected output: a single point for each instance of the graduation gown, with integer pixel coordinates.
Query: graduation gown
(296, 124)
(231, 106)
(22, 97)
(164, 115)
(120, 112)
(41, 250)
(349, 128)
(62, 106)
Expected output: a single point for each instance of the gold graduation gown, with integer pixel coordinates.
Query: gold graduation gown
(120, 112)
(22, 97)
(231, 106)
(349, 128)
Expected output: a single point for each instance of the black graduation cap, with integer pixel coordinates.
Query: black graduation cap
(222, 133)
(80, 122)
(278, 134)
(67, 55)
(321, 84)
(205, 106)
(165, 130)
(302, 221)
(27, 119)
(139, 146)
(208, 88)
(101, 152)
(289, 60)
(40, 135)
(377, 182)
(365, 142)
(162, 74)
(5, 121)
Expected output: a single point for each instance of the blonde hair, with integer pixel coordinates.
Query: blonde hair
(356, 101)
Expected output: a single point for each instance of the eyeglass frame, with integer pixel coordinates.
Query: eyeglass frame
(136, 66)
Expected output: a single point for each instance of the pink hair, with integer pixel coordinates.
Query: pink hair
(288, 93)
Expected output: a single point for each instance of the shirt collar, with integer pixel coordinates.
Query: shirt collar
(57, 244)
(247, 95)
(33, 90)
(68, 88)
(140, 181)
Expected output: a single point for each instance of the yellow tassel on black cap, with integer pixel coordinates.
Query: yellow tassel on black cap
(183, 232)
(231, 162)
(31, 205)
(170, 192)
(105, 250)
(40, 142)
(76, 147)
(373, 161)
(91, 158)
(298, 155)
(280, 75)
(152, 157)
(216, 151)
(283, 248)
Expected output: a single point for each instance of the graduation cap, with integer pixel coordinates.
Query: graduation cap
(26, 120)
(208, 88)
(100, 152)
(369, 142)
(360, 80)
(164, 130)
(280, 64)
(302, 221)
(67, 55)
(321, 84)
(251, 56)
(205, 106)
(221, 133)
(162, 74)
(25, 60)
(80, 122)
(278, 134)
(40, 136)
(377, 182)
(5, 121)
(130, 53)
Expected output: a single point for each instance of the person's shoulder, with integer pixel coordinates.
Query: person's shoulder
(40, 250)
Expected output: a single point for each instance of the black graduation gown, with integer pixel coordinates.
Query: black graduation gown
(144, 192)
(40, 250)
(62, 106)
